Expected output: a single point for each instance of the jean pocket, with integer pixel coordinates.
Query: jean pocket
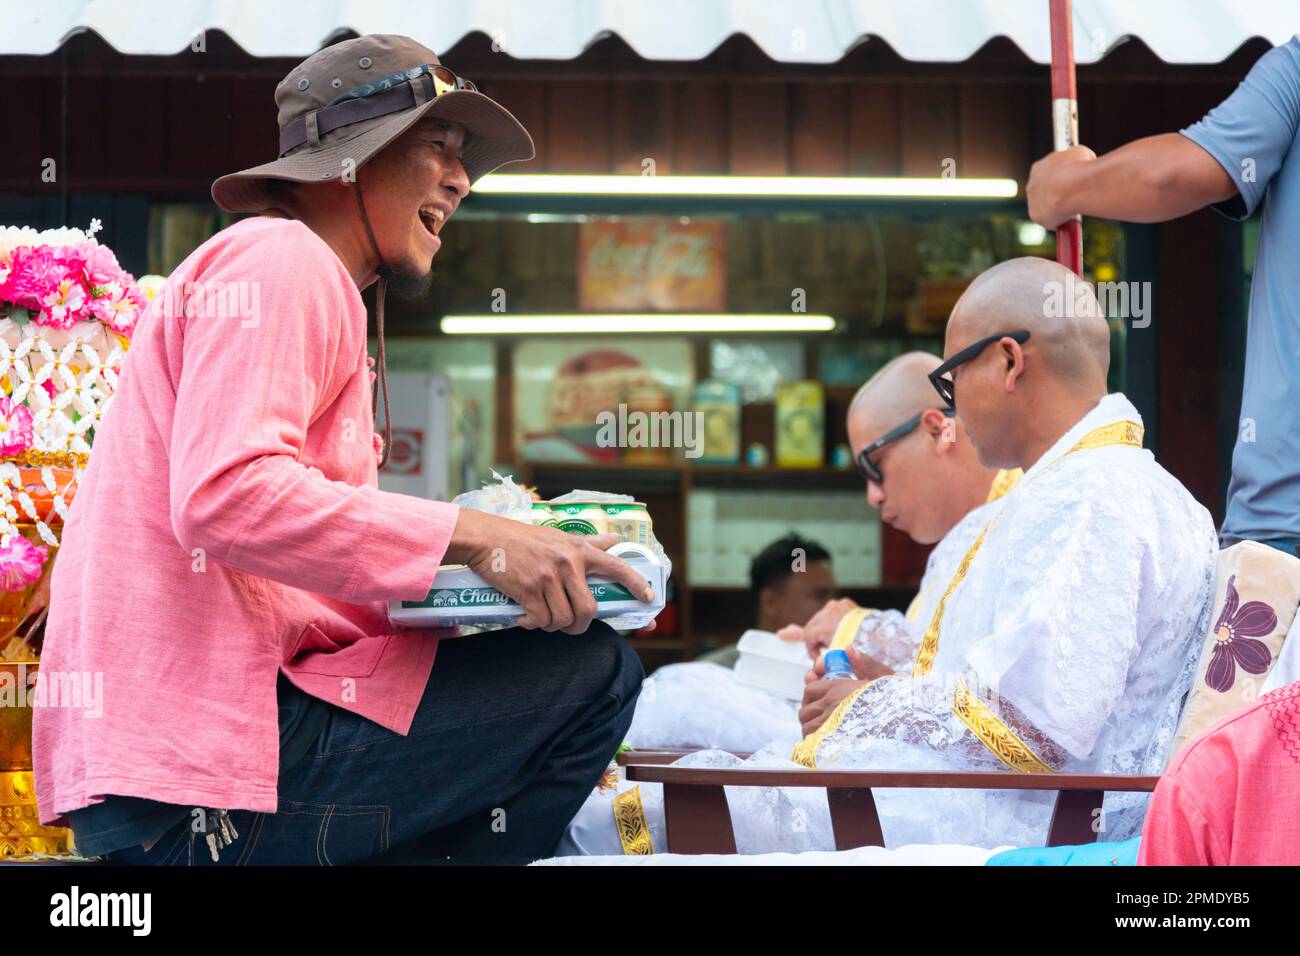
(333, 834)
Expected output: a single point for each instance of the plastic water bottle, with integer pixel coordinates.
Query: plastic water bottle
(838, 666)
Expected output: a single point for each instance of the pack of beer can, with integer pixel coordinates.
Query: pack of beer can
(629, 520)
(459, 598)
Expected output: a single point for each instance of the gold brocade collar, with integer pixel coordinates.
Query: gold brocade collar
(1003, 482)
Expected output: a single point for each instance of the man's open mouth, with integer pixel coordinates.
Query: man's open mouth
(432, 218)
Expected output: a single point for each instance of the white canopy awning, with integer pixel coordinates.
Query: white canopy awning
(792, 31)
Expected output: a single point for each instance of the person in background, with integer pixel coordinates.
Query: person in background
(1032, 663)
(790, 580)
(923, 474)
(926, 480)
(1238, 159)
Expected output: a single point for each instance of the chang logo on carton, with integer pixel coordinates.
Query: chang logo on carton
(444, 599)
(480, 596)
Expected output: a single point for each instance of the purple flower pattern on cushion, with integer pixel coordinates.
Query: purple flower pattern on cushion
(1234, 645)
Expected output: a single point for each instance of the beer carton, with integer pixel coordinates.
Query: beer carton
(460, 598)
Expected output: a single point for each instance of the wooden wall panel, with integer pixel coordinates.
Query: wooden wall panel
(995, 131)
(818, 134)
(759, 125)
(133, 106)
(201, 140)
(87, 133)
(527, 101)
(642, 127)
(577, 126)
(701, 129)
(929, 127)
(1186, 342)
(32, 133)
(873, 129)
(255, 135)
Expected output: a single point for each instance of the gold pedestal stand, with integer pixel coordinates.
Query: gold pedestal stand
(22, 616)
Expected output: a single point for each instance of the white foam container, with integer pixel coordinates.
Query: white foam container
(771, 664)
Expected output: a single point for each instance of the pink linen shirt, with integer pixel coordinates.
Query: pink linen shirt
(1229, 798)
(229, 526)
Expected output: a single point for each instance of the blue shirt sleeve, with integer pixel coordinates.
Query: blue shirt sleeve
(1250, 133)
(1089, 854)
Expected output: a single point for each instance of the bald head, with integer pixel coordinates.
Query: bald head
(1067, 328)
(897, 392)
(928, 479)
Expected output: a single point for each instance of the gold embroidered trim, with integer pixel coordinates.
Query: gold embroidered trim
(1117, 433)
(929, 648)
(994, 734)
(914, 608)
(805, 751)
(629, 820)
(848, 628)
(1003, 482)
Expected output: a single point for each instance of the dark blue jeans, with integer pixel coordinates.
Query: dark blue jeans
(513, 732)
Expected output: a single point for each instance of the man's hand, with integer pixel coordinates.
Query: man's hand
(1046, 192)
(542, 569)
(1148, 180)
(818, 633)
(864, 668)
(820, 698)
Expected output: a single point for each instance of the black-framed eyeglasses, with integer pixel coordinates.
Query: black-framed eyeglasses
(870, 470)
(941, 377)
(444, 81)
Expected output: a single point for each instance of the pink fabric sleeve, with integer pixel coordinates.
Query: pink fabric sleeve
(1179, 831)
(244, 400)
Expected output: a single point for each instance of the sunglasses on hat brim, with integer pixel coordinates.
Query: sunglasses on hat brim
(388, 94)
(444, 81)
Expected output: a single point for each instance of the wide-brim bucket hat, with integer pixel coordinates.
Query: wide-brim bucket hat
(343, 105)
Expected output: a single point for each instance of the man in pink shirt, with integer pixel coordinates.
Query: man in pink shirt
(1230, 797)
(229, 555)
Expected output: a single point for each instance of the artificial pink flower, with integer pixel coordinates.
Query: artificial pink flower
(63, 306)
(21, 563)
(15, 427)
(99, 265)
(118, 305)
(33, 275)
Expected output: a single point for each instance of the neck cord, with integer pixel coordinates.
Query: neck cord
(379, 327)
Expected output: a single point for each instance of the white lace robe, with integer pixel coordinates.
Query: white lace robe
(700, 705)
(703, 706)
(1078, 625)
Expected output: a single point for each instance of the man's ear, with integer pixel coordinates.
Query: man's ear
(939, 428)
(1014, 358)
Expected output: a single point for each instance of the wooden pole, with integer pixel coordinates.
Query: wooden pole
(1065, 123)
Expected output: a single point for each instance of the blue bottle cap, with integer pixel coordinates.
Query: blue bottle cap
(837, 662)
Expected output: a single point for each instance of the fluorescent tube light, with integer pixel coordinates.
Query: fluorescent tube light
(652, 323)
(846, 187)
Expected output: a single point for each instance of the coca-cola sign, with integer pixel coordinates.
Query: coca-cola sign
(652, 264)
